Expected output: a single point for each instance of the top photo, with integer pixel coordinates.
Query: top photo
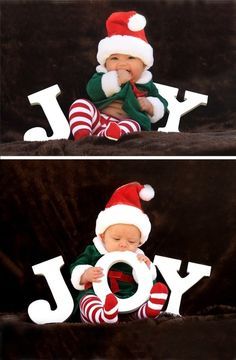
(114, 78)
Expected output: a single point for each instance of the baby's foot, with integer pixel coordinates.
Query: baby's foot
(110, 308)
(113, 131)
(158, 296)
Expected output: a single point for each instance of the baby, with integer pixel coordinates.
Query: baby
(123, 96)
(122, 226)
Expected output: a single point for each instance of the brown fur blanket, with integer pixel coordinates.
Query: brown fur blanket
(139, 144)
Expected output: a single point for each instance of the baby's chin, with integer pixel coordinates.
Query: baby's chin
(125, 250)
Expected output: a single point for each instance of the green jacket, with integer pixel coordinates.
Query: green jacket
(126, 94)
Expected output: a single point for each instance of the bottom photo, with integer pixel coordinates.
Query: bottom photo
(111, 259)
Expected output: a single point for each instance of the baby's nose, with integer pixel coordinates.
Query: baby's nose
(122, 63)
(123, 244)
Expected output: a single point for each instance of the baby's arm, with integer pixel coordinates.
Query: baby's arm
(142, 257)
(83, 274)
(83, 269)
(112, 80)
(107, 84)
(146, 105)
(123, 76)
(93, 274)
(154, 104)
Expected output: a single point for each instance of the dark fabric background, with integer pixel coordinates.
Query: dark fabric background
(48, 208)
(55, 42)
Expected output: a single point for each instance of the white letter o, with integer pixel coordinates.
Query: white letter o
(142, 273)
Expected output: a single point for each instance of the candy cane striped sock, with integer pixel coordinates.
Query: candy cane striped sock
(83, 117)
(92, 310)
(129, 126)
(114, 130)
(154, 305)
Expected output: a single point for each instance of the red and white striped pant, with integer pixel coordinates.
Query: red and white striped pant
(93, 311)
(85, 119)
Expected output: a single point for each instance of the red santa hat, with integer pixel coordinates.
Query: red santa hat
(125, 36)
(124, 207)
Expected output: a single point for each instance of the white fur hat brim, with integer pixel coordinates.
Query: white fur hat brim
(125, 44)
(123, 214)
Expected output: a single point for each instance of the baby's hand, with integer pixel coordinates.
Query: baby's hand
(142, 257)
(145, 105)
(123, 76)
(92, 274)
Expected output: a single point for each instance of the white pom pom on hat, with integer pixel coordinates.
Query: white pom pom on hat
(137, 22)
(124, 207)
(147, 193)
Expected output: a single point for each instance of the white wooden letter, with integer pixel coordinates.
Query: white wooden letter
(177, 109)
(39, 311)
(143, 275)
(169, 269)
(47, 100)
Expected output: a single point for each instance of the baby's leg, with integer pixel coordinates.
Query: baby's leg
(128, 126)
(153, 307)
(115, 129)
(83, 118)
(92, 310)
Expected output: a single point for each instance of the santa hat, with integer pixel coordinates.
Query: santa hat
(125, 36)
(124, 207)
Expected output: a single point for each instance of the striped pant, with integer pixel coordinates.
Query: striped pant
(85, 120)
(93, 311)
(153, 307)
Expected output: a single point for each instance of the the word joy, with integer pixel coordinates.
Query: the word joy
(47, 99)
(41, 313)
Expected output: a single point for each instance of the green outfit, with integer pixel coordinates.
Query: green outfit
(127, 95)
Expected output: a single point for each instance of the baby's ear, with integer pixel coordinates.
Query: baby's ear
(102, 236)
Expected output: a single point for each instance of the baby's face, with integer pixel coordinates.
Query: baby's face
(121, 237)
(132, 64)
